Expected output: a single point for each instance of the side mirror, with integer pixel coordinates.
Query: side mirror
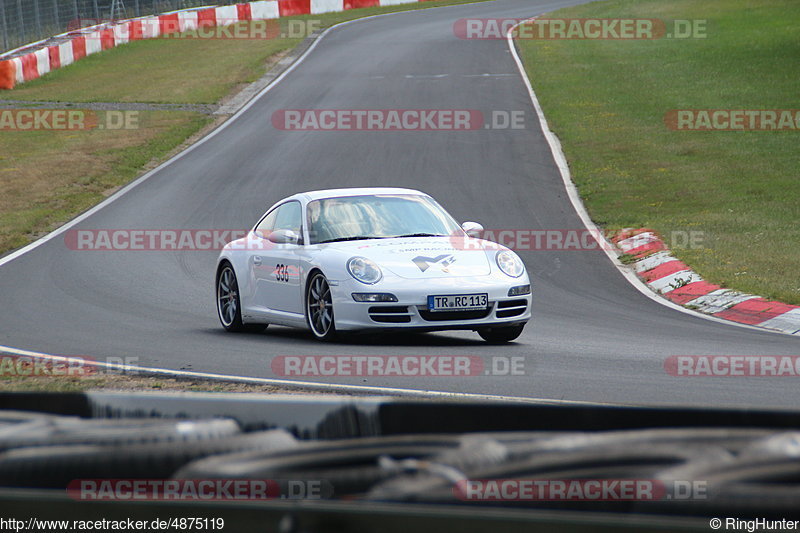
(473, 229)
(284, 236)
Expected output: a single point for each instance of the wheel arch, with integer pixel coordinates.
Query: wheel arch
(307, 283)
(222, 261)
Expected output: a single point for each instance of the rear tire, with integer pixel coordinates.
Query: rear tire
(502, 334)
(229, 308)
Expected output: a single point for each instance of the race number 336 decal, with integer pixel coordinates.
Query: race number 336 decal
(282, 272)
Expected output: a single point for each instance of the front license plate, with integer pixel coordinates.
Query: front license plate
(458, 302)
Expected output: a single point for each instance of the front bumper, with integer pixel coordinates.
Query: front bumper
(411, 309)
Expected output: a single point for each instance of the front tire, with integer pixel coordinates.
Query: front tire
(319, 308)
(229, 308)
(502, 334)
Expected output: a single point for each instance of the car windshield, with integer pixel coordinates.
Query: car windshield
(376, 216)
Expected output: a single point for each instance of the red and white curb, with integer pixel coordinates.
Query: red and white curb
(37, 59)
(676, 281)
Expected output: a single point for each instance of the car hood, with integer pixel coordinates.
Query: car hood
(424, 257)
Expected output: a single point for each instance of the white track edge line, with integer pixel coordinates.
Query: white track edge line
(127, 188)
(560, 162)
(331, 387)
(141, 179)
(580, 209)
(138, 181)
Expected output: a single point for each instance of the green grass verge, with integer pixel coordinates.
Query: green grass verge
(47, 177)
(127, 382)
(606, 101)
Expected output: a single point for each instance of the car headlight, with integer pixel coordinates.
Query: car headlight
(509, 263)
(364, 270)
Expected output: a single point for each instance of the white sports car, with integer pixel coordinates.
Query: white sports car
(370, 258)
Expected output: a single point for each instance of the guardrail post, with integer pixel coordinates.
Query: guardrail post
(21, 21)
(136, 9)
(37, 20)
(4, 27)
(56, 17)
(96, 11)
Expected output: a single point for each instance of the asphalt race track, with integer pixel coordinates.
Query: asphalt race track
(594, 336)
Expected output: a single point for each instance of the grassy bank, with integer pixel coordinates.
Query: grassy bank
(129, 382)
(48, 177)
(607, 99)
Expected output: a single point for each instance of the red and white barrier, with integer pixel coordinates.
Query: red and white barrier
(264, 10)
(327, 6)
(676, 281)
(21, 67)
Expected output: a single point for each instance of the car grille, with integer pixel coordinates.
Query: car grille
(511, 308)
(389, 314)
(440, 316)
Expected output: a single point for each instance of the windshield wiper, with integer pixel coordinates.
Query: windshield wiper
(355, 238)
(419, 235)
(363, 237)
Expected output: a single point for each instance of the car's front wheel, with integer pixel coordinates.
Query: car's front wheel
(499, 335)
(229, 308)
(319, 308)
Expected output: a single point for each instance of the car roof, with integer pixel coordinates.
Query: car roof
(353, 191)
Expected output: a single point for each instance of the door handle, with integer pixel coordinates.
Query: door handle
(257, 260)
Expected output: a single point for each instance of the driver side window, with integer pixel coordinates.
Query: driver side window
(264, 227)
(288, 217)
(284, 217)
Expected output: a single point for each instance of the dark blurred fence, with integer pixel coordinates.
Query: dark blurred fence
(26, 21)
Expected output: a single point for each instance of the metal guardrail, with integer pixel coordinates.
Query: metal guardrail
(27, 21)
